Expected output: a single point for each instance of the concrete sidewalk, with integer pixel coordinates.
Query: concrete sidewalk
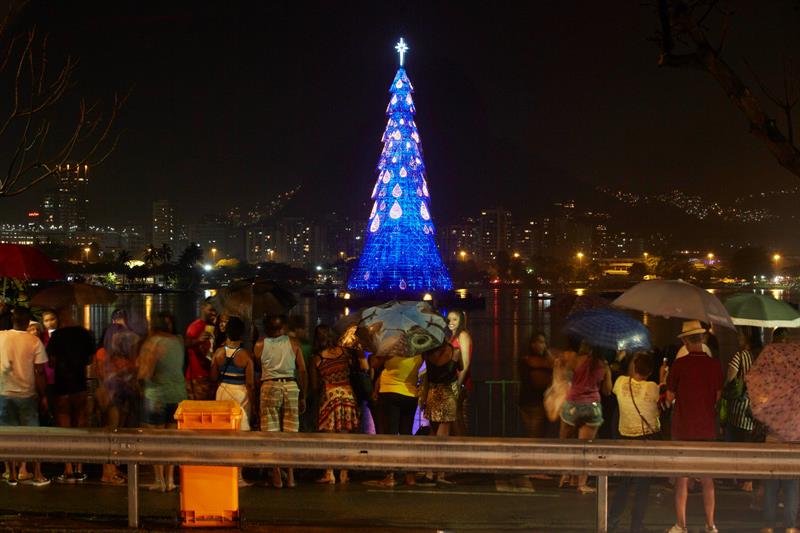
(475, 503)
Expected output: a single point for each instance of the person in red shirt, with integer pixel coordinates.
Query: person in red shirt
(694, 383)
(199, 342)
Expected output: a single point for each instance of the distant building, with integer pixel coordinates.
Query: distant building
(529, 238)
(67, 205)
(165, 227)
(293, 240)
(495, 233)
(210, 235)
(457, 238)
(259, 244)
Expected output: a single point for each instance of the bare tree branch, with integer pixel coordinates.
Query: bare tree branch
(676, 17)
(26, 128)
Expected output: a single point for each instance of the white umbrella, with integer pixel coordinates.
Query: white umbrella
(675, 299)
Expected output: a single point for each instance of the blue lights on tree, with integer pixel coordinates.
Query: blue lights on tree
(400, 254)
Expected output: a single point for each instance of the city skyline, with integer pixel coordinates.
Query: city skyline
(498, 106)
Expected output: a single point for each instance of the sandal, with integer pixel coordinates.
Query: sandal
(115, 480)
(158, 486)
(327, 480)
(387, 482)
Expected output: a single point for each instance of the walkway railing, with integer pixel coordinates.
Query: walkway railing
(381, 452)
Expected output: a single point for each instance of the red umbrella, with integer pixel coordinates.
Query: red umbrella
(26, 262)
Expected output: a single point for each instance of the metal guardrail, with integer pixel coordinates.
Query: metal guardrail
(383, 452)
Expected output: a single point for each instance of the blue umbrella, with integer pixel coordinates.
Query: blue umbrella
(610, 329)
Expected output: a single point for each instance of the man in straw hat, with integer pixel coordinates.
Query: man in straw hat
(694, 384)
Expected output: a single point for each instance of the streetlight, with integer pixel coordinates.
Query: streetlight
(579, 255)
(463, 255)
(516, 255)
(776, 258)
(214, 255)
(710, 256)
(86, 251)
(645, 256)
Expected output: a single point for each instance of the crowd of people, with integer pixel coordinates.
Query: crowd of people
(285, 380)
(589, 391)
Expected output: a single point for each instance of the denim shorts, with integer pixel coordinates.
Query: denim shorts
(19, 411)
(582, 414)
(158, 413)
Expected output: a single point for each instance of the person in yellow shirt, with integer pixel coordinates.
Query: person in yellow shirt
(396, 392)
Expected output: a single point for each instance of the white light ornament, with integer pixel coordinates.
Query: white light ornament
(375, 189)
(376, 223)
(425, 189)
(423, 211)
(396, 135)
(387, 176)
(401, 48)
(397, 192)
(396, 211)
(403, 172)
(374, 210)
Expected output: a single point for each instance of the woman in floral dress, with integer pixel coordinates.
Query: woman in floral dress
(330, 380)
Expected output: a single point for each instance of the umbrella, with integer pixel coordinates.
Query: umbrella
(772, 388)
(675, 299)
(26, 262)
(761, 311)
(401, 328)
(66, 294)
(254, 299)
(608, 328)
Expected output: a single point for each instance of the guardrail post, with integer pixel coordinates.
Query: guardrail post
(602, 504)
(133, 495)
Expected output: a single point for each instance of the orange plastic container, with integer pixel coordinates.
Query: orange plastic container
(209, 494)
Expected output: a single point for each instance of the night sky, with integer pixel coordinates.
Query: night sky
(522, 107)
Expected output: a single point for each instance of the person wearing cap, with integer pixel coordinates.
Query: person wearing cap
(694, 384)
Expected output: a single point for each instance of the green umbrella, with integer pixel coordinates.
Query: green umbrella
(761, 311)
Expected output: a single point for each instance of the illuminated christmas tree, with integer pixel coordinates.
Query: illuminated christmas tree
(400, 254)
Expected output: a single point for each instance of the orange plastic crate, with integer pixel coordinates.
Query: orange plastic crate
(209, 494)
